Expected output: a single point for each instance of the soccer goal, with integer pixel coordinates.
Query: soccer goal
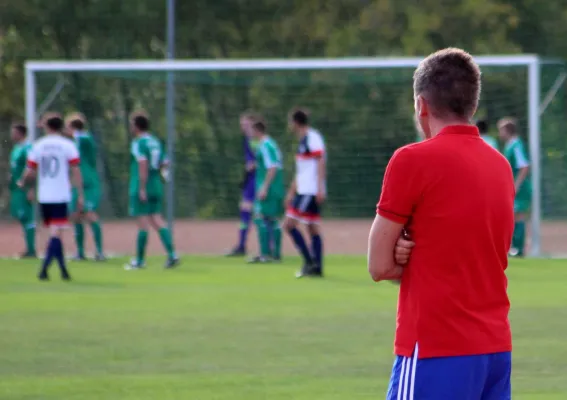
(363, 106)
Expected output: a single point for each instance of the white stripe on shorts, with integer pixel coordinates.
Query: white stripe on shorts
(304, 203)
(401, 380)
(407, 377)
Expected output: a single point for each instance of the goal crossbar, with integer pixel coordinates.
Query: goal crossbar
(531, 62)
(260, 64)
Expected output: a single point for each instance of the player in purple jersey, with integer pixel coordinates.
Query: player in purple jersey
(247, 119)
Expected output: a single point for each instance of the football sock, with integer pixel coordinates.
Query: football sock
(317, 250)
(299, 242)
(141, 246)
(263, 236)
(519, 236)
(59, 255)
(29, 234)
(49, 255)
(277, 238)
(80, 239)
(245, 217)
(167, 241)
(97, 235)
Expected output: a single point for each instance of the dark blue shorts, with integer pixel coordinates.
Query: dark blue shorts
(54, 214)
(305, 208)
(479, 377)
(249, 189)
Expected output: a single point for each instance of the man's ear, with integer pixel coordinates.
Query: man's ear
(422, 106)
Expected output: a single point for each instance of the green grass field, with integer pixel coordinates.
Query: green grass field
(220, 329)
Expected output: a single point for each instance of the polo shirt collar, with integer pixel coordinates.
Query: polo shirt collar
(468, 130)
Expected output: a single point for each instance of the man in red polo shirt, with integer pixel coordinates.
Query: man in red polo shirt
(454, 196)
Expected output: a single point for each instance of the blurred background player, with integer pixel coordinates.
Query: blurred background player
(75, 126)
(146, 190)
(482, 126)
(248, 184)
(516, 154)
(270, 193)
(307, 193)
(21, 199)
(55, 158)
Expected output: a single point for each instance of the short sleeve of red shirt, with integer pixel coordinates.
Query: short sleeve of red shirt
(401, 187)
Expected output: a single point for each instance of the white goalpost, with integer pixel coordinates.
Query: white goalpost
(531, 63)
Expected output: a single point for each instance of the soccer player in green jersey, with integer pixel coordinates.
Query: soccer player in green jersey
(482, 126)
(516, 154)
(75, 127)
(270, 194)
(146, 190)
(21, 206)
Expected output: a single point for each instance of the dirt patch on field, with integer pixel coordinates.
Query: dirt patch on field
(216, 237)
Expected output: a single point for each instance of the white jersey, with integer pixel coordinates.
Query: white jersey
(311, 149)
(51, 156)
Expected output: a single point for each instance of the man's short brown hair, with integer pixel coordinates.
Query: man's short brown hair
(251, 115)
(508, 125)
(450, 81)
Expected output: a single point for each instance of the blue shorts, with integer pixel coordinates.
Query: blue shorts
(479, 377)
(305, 208)
(55, 214)
(249, 189)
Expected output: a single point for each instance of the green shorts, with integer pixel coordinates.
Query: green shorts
(91, 200)
(20, 208)
(153, 206)
(522, 205)
(271, 207)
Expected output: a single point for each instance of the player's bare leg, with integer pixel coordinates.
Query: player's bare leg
(245, 219)
(291, 226)
(157, 222)
(94, 222)
(141, 242)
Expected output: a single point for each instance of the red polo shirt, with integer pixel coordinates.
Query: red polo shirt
(455, 194)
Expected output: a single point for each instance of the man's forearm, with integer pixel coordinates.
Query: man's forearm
(522, 175)
(292, 188)
(269, 178)
(77, 180)
(321, 173)
(143, 175)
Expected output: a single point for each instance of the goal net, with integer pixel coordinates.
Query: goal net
(363, 107)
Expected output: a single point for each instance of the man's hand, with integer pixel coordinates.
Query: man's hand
(262, 193)
(80, 202)
(30, 195)
(250, 166)
(320, 197)
(289, 199)
(143, 196)
(20, 183)
(403, 249)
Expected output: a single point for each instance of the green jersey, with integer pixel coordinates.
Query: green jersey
(268, 156)
(87, 152)
(18, 161)
(146, 147)
(515, 153)
(490, 141)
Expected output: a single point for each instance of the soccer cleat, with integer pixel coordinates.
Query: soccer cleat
(66, 277)
(277, 259)
(514, 252)
(134, 265)
(27, 254)
(172, 263)
(309, 270)
(43, 277)
(99, 257)
(236, 252)
(260, 260)
(79, 257)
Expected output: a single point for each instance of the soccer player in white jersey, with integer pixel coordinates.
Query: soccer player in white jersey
(54, 158)
(307, 193)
